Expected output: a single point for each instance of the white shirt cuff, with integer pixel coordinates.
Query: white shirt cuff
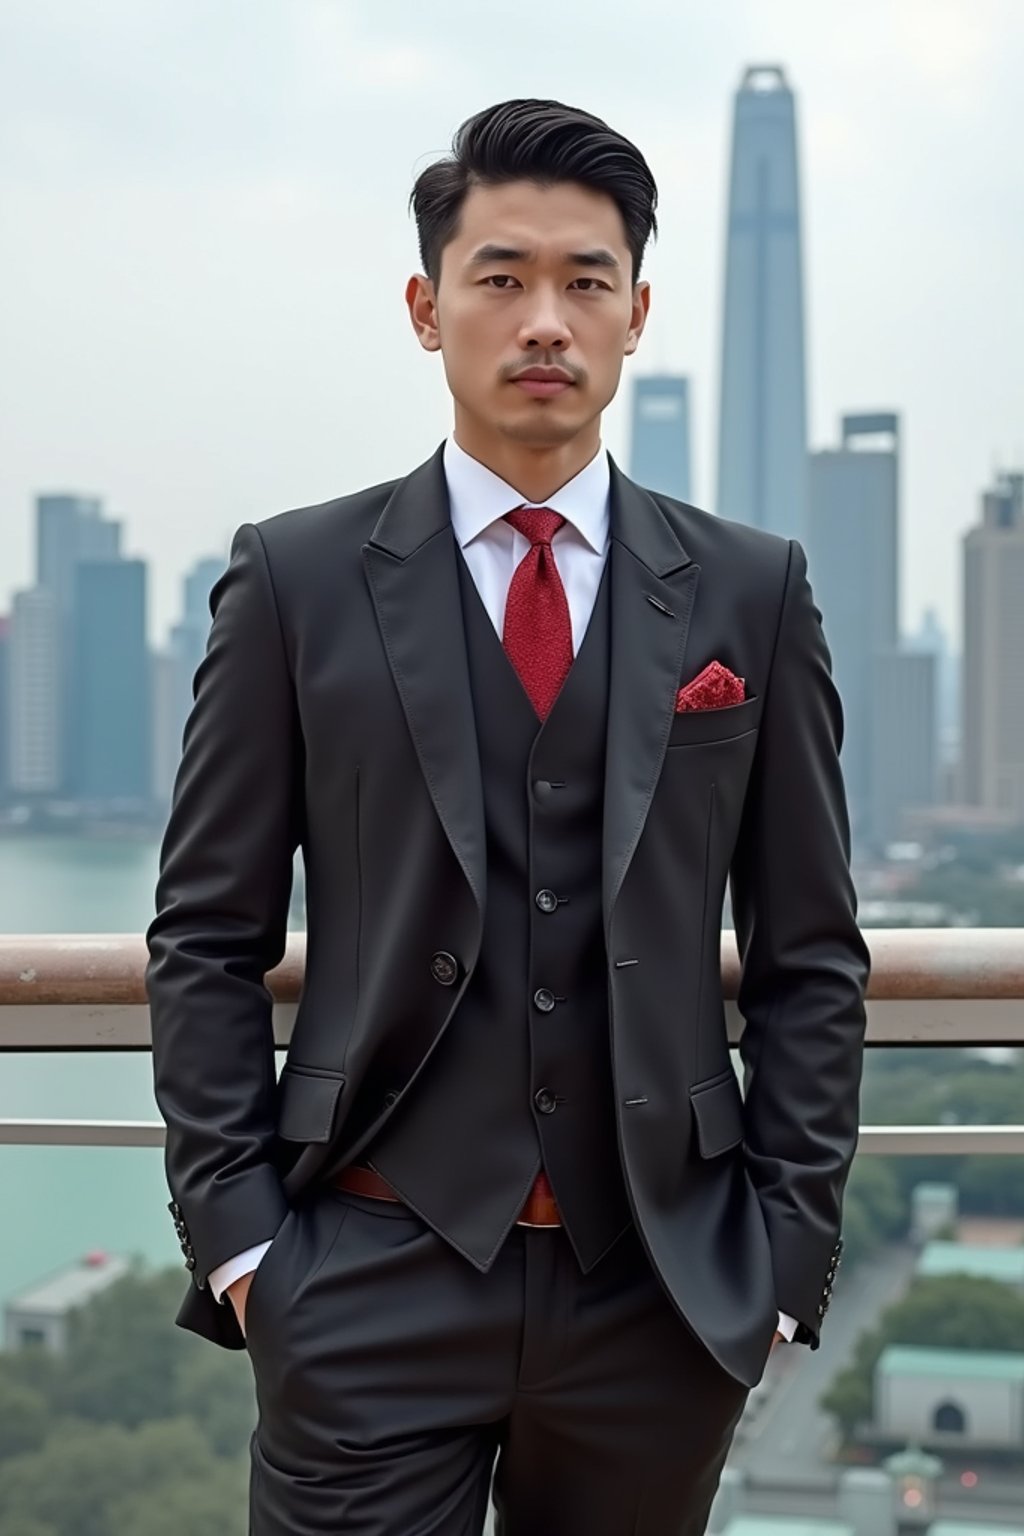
(233, 1269)
(787, 1326)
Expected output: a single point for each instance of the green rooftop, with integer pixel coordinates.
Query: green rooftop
(970, 1528)
(942, 1258)
(952, 1364)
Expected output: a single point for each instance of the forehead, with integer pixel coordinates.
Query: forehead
(547, 219)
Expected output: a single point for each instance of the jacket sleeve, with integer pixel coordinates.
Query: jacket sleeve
(805, 965)
(222, 903)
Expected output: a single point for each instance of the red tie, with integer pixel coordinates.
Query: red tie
(538, 630)
(538, 639)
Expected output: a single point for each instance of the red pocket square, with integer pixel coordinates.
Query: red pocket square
(714, 688)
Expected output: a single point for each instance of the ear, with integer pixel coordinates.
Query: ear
(638, 316)
(422, 302)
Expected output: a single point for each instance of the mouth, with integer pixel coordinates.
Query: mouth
(543, 382)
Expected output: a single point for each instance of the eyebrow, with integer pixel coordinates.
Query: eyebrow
(487, 254)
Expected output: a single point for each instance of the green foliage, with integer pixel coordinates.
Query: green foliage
(86, 1473)
(941, 1312)
(216, 1507)
(909, 1086)
(214, 1387)
(28, 1527)
(136, 1429)
(123, 1355)
(23, 1416)
(875, 1208)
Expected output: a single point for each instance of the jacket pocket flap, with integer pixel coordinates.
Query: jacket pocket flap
(718, 1110)
(307, 1100)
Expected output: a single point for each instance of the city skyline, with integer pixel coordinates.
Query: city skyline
(193, 365)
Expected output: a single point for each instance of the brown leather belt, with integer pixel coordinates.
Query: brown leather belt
(540, 1209)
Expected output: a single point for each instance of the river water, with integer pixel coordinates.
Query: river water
(57, 1204)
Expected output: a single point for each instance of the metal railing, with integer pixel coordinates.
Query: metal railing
(929, 987)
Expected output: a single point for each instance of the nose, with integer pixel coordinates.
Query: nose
(544, 327)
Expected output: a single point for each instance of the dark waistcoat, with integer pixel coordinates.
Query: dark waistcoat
(522, 1075)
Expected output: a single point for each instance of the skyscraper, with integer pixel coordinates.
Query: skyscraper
(853, 565)
(762, 431)
(993, 673)
(35, 693)
(904, 739)
(659, 456)
(70, 529)
(111, 736)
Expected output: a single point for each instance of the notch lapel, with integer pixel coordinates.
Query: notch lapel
(648, 646)
(413, 580)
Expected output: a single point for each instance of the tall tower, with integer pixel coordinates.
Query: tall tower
(993, 679)
(659, 450)
(762, 424)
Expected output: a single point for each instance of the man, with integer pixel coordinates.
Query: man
(506, 1208)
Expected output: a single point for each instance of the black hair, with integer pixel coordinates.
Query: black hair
(539, 141)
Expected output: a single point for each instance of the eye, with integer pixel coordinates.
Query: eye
(594, 280)
(502, 278)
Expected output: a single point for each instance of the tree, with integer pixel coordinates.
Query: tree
(123, 1353)
(215, 1388)
(875, 1209)
(941, 1312)
(84, 1472)
(23, 1417)
(216, 1507)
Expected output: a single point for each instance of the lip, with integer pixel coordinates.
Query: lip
(542, 387)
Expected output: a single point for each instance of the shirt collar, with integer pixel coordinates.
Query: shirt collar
(478, 497)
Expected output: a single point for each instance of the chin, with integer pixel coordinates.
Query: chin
(542, 429)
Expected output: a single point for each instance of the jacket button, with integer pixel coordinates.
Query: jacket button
(544, 999)
(444, 968)
(546, 900)
(544, 1100)
(390, 1098)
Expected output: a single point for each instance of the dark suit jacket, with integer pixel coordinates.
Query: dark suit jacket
(333, 712)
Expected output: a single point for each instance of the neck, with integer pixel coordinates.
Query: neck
(536, 471)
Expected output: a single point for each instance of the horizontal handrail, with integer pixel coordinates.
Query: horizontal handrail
(907, 964)
(945, 986)
(890, 1140)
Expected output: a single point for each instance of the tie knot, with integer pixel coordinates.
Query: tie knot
(538, 524)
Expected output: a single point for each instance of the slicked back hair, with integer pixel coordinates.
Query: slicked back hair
(539, 141)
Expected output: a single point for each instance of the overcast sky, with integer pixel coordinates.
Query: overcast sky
(204, 240)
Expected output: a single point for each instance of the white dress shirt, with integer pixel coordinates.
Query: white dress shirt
(493, 549)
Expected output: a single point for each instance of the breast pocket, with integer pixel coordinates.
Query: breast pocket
(694, 727)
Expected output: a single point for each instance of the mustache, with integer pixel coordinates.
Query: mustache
(575, 372)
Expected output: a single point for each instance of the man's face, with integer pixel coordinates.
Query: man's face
(536, 278)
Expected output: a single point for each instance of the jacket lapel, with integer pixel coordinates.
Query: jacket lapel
(410, 566)
(654, 583)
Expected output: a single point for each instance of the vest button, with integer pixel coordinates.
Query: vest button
(544, 999)
(542, 788)
(444, 968)
(544, 1100)
(546, 900)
